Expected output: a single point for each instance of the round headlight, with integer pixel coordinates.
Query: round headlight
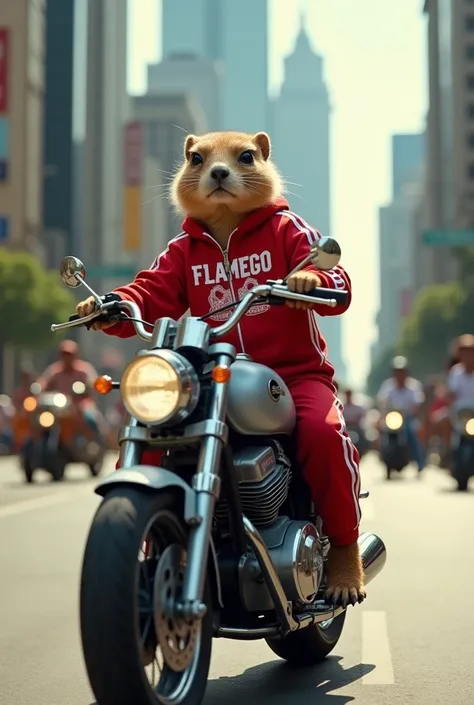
(470, 427)
(46, 419)
(394, 420)
(160, 386)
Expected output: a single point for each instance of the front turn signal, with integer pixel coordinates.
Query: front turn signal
(221, 374)
(103, 384)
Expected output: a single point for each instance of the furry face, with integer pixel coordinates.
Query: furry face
(225, 170)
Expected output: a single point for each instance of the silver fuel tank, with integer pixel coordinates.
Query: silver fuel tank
(260, 403)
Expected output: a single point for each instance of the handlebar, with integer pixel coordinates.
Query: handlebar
(272, 292)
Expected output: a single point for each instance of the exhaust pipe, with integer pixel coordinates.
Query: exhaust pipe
(373, 554)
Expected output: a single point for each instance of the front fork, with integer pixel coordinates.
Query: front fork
(206, 484)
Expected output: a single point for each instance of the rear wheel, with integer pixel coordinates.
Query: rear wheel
(56, 464)
(463, 483)
(388, 472)
(311, 645)
(135, 650)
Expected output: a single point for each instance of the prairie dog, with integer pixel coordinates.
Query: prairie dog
(224, 177)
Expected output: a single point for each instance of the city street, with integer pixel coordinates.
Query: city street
(411, 642)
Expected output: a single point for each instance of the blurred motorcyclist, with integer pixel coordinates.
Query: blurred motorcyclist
(404, 394)
(354, 413)
(61, 376)
(23, 390)
(461, 375)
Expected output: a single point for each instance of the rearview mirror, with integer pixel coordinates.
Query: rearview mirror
(72, 272)
(326, 253)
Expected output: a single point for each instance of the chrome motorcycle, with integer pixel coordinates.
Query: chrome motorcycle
(220, 540)
(462, 447)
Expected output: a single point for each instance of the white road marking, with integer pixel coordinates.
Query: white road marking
(29, 505)
(376, 649)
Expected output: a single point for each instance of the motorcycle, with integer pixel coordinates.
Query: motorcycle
(394, 447)
(462, 447)
(49, 436)
(220, 541)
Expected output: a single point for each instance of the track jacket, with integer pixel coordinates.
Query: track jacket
(195, 273)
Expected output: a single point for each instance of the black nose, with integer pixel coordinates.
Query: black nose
(219, 173)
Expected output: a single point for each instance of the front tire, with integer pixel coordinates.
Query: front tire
(311, 645)
(116, 615)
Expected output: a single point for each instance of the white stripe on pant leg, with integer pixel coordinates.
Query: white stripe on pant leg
(348, 457)
(376, 649)
(353, 451)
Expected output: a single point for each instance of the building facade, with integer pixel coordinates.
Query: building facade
(58, 124)
(448, 199)
(192, 74)
(211, 29)
(22, 82)
(163, 141)
(303, 108)
(99, 233)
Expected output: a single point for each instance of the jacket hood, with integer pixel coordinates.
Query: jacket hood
(252, 221)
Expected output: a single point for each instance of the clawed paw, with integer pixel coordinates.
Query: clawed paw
(342, 596)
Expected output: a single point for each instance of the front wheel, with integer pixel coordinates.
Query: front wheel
(311, 645)
(134, 651)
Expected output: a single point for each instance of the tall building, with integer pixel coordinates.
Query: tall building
(449, 189)
(22, 56)
(191, 74)
(212, 30)
(100, 236)
(163, 141)
(58, 138)
(408, 153)
(396, 264)
(303, 110)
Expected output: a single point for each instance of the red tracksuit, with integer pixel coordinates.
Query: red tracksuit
(195, 272)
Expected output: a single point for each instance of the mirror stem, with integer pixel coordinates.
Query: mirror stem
(298, 268)
(97, 298)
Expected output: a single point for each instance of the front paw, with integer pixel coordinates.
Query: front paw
(345, 576)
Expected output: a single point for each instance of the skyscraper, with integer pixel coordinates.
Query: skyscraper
(301, 136)
(58, 140)
(234, 33)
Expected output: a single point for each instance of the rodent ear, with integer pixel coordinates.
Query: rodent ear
(262, 140)
(189, 144)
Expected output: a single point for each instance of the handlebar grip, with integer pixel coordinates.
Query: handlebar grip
(341, 296)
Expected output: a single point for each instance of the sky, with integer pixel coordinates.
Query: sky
(376, 71)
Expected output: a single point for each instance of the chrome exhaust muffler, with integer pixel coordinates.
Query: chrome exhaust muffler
(373, 554)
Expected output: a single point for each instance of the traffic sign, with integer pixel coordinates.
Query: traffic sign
(448, 238)
(127, 271)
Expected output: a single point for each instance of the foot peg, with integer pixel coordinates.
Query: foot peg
(364, 494)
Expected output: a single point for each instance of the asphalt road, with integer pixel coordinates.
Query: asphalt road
(411, 642)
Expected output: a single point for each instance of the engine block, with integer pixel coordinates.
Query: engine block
(263, 476)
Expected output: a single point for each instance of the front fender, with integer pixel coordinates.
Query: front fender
(150, 478)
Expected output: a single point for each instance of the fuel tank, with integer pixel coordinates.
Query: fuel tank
(260, 403)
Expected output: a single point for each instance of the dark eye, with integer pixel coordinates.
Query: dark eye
(246, 158)
(196, 159)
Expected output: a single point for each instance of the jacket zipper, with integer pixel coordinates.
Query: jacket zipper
(225, 256)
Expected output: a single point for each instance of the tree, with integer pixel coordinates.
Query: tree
(30, 300)
(440, 313)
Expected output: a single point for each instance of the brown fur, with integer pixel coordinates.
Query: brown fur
(345, 575)
(248, 187)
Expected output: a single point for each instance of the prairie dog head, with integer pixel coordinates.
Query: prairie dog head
(225, 169)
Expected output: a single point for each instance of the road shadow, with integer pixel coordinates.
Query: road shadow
(277, 683)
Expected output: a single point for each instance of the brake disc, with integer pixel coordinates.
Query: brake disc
(176, 636)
